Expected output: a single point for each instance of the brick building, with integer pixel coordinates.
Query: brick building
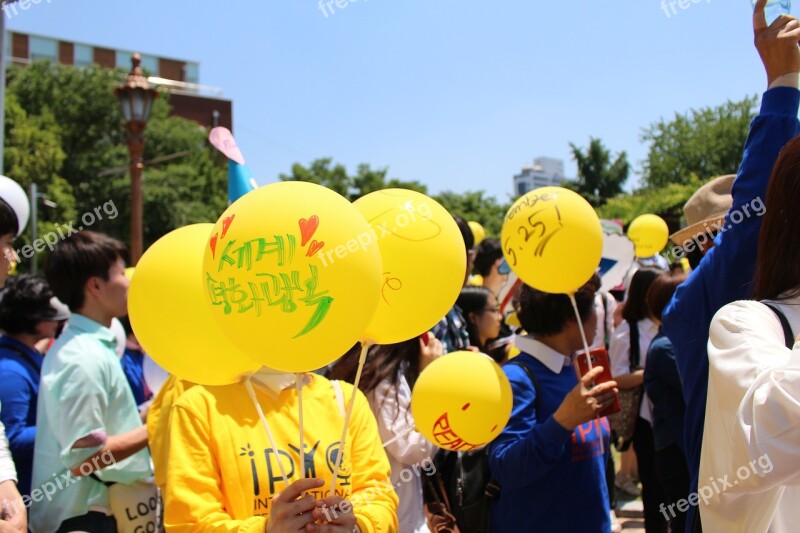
(180, 78)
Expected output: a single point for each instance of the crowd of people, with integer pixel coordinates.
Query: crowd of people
(703, 362)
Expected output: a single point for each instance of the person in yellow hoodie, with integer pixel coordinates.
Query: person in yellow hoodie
(223, 474)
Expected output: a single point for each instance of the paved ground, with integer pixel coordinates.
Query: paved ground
(632, 525)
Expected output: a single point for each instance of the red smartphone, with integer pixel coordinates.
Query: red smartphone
(599, 358)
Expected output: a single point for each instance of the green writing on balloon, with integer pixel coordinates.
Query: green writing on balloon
(253, 251)
(288, 291)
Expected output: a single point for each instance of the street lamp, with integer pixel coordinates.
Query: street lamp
(136, 101)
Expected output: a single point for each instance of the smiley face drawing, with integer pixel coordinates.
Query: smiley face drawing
(461, 401)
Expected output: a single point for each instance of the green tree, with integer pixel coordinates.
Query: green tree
(706, 142)
(366, 180)
(598, 177)
(476, 206)
(64, 132)
(666, 202)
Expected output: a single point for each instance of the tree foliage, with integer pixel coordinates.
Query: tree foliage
(706, 142)
(666, 202)
(599, 178)
(64, 129)
(366, 180)
(476, 206)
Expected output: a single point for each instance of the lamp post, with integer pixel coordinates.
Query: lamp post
(136, 101)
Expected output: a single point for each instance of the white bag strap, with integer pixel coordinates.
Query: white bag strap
(337, 390)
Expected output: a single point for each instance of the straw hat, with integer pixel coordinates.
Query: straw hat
(706, 209)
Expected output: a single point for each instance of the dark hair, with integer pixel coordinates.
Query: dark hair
(126, 325)
(487, 254)
(636, 300)
(778, 262)
(25, 303)
(542, 314)
(384, 361)
(466, 232)
(661, 290)
(473, 299)
(9, 225)
(78, 258)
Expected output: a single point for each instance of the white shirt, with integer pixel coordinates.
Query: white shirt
(554, 360)
(752, 422)
(605, 321)
(620, 355)
(7, 470)
(406, 454)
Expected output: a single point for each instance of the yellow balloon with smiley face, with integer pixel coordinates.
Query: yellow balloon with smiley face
(461, 401)
(553, 240)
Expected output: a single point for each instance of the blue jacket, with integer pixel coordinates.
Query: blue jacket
(726, 272)
(133, 366)
(551, 478)
(19, 391)
(663, 386)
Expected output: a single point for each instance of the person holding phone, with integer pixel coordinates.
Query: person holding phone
(549, 459)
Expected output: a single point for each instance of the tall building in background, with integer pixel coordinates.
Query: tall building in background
(544, 172)
(180, 78)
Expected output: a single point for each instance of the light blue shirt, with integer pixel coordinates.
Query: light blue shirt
(83, 390)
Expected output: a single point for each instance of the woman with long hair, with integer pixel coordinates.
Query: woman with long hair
(628, 354)
(751, 436)
(387, 380)
(484, 319)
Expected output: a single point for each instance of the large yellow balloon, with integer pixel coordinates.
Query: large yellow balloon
(649, 234)
(424, 262)
(477, 231)
(461, 401)
(170, 316)
(293, 275)
(553, 240)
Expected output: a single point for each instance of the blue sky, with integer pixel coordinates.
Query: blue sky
(457, 95)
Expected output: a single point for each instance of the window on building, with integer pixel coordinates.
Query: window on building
(191, 73)
(522, 188)
(123, 60)
(149, 65)
(43, 48)
(83, 55)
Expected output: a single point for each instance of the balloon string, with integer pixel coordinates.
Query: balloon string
(398, 437)
(589, 361)
(252, 394)
(365, 346)
(299, 383)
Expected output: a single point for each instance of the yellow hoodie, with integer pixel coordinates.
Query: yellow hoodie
(222, 472)
(158, 425)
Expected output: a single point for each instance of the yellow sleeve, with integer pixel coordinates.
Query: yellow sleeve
(374, 499)
(193, 500)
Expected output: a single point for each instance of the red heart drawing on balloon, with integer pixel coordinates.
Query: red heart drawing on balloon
(213, 244)
(307, 228)
(227, 224)
(315, 247)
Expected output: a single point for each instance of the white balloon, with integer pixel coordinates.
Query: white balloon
(154, 375)
(618, 256)
(14, 196)
(119, 332)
